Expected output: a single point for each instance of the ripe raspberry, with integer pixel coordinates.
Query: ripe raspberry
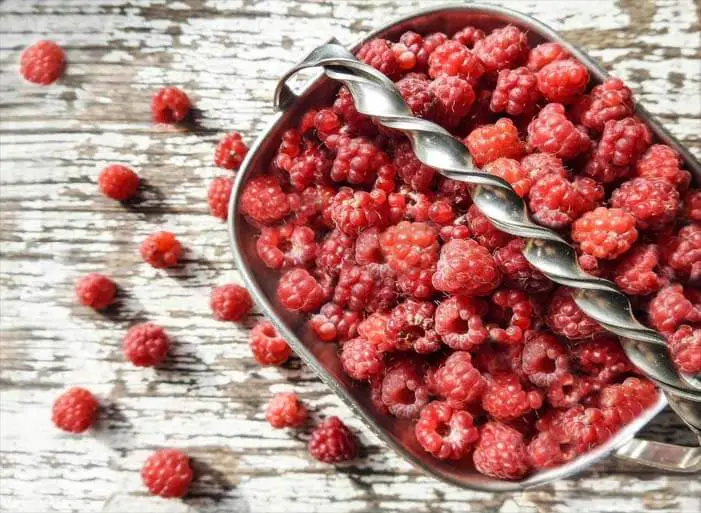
(516, 92)
(682, 252)
(638, 273)
(404, 390)
(511, 314)
(416, 175)
(358, 124)
(653, 203)
(489, 142)
(511, 171)
(505, 398)
(418, 96)
(554, 201)
(357, 160)
(145, 345)
(569, 390)
(441, 212)
(334, 323)
(170, 105)
(298, 291)
(161, 250)
(460, 322)
(544, 450)
(412, 325)
(627, 400)
(334, 251)
(518, 272)
(367, 247)
(285, 410)
(611, 100)
(95, 290)
(230, 151)
(503, 48)
(692, 205)
(410, 245)
(453, 59)
(565, 318)
(672, 307)
(623, 142)
(267, 346)
(457, 193)
(544, 54)
(539, 165)
(361, 359)
(310, 166)
(685, 346)
(378, 54)
(446, 433)
(263, 200)
(417, 283)
(218, 196)
(468, 36)
(167, 473)
(562, 81)
(374, 329)
(75, 410)
(501, 452)
(457, 381)
(326, 122)
(425, 47)
(552, 132)
(407, 204)
(602, 358)
(286, 246)
(42, 63)
(544, 360)
(355, 211)
(605, 233)
(118, 182)
(660, 161)
(230, 302)
(580, 430)
(370, 287)
(333, 442)
(465, 267)
(602, 171)
(406, 59)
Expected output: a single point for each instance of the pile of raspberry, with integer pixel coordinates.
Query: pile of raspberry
(434, 310)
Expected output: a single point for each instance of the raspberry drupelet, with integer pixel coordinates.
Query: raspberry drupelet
(95, 290)
(653, 203)
(465, 267)
(505, 398)
(503, 48)
(230, 152)
(299, 291)
(544, 360)
(145, 345)
(118, 182)
(167, 473)
(685, 347)
(490, 142)
(230, 302)
(42, 63)
(544, 54)
(404, 391)
(562, 81)
(661, 161)
(605, 233)
(552, 132)
(445, 432)
(170, 105)
(565, 318)
(161, 250)
(361, 359)
(75, 410)
(263, 200)
(672, 306)
(639, 273)
(334, 323)
(453, 59)
(608, 101)
(333, 442)
(501, 452)
(285, 410)
(516, 92)
(267, 346)
(218, 196)
(458, 381)
(459, 320)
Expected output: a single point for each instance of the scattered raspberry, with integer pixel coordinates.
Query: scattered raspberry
(412, 325)
(638, 272)
(683, 252)
(605, 233)
(627, 400)
(601, 357)
(544, 54)
(565, 318)
(267, 346)
(170, 105)
(489, 142)
(544, 360)
(506, 399)
(539, 165)
(511, 171)
(457, 381)
(334, 251)
(145, 345)
(410, 245)
(653, 203)
(465, 267)
(218, 196)
(418, 96)
(357, 160)
(167, 473)
(551, 132)
(692, 205)
(518, 272)
(361, 359)
(42, 63)
(334, 323)
(685, 346)
(516, 92)
(118, 182)
(75, 410)
(453, 59)
(230, 151)
(482, 229)
(298, 291)
(355, 211)
(161, 250)
(460, 322)
(568, 390)
(263, 200)
(660, 161)
(511, 314)
(333, 442)
(285, 410)
(501, 452)
(544, 451)
(95, 290)
(286, 246)
(404, 390)
(230, 302)
(378, 54)
(562, 81)
(671, 307)
(623, 142)
(416, 175)
(503, 48)
(611, 100)
(556, 202)
(446, 433)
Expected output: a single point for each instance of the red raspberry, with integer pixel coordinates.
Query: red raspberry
(511, 171)
(455, 192)
(333, 442)
(312, 207)
(518, 272)
(230, 302)
(170, 105)
(540, 164)
(406, 59)
(544, 54)
(75, 410)
(468, 36)
(370, 287)
(683, 252)
(692, 205)
(286, 246)
(441, 212)
(417, 283)
(359, 124)
(298, 291)
(416, 175)
(418, 96)
(453, 59)
(410, 245)
(95, 290)
(489, 142)
(565, 318)
(426, 47)
(446, 433)
(285, 410)
(570, 390)
(492, 358)
(513, 309)
(544, 450)
(326, 122)
(622, 403)
(544, 360)
(404, 390)
(501, 452)
(605, 233)
(671, 307)
(623, 142)
(291, 143)
(42, 63)
(334, 251)
(611, 100)
(218, 196)
(562, 81)
(580, 430)
(355, 211)
(654, 203)
(230, 151)
(412, 325)
(505, 398)
(308, 167)
(465, 267)
(638, 272)
(118, 182)
(361, 359)
(374, 329)
(378, 54)
(407, 204)
(367, 247)
(552, 132)
(602, 171)
(505, 47)
(357, 160)
(457, 381)
(161, 250)
(516, 92)
(602, 357)
(334, 323)
(685, 346)
(145, 345)
(167, 473)
(460, 322)
(660, 161)
(555, 201)
(267, 346)
(263, 200)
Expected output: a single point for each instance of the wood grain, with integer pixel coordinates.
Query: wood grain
(209, 397)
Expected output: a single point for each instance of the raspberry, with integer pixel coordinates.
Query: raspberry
(685, 346)
(334, 251)
(460, 322)
(492, 358)
(299, 291)
(627, 400)
(544, 450)
(286, 246)
(513, 309)
(602, 357)
(692, 205)
(263, 200)
(501, 452)
(605, 233)
(369, 287)
(374, 329)
(518, 272)
(457, 381)
(511, 171)
(465, 267)
(378, 54)
(539, 165)
(407, 204)
(653, 203)
(425, 47)
(326, 122)
(660, 161)
(457, 193)
(95, 290)
(406, 60)
(285, 410)
(417, 283)
(334, 323)
(167, 473)
(453, 59)
(230, 302)
(516, 92)
(580, 430)
(544, 54)
(416, 175)
(544, 360)
(683, 252)
(333, 442)
(503, 48)
(601, 170)
(218, 196)
(404, 390)
(638, 272)
(312, 206)
(562, 81)
(359, 124)
(412, 325)
(441, 212)
(355, 211)
(75, 410)
(230, 151)
(145, 345)
(506, 399)
(291, 143)
(267, 346)
(161, 250)
(671, 307)
(357, 160)
(468, 36)
(367, 247)
(410, 245)
(444, 432)
(308, 167)
(551, 132)
(565, 318)
(611, 100)
(556, 202)
(623, 142)
(418, 96)
(361, 359)
(170, 105)
(118, 182)
(489, 142)
(42, 63)
(568, 390)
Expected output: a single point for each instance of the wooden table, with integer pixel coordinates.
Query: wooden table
(209, 398)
